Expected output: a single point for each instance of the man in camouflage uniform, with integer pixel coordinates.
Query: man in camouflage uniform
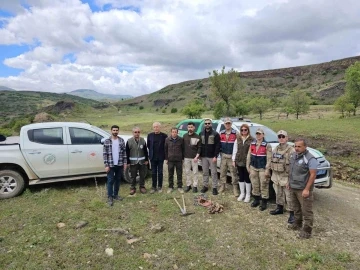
(227, 140)
(258, 165)
(280, 161)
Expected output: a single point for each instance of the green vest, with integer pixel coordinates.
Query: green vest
(137, 154)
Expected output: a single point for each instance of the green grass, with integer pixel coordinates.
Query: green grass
(239, 238)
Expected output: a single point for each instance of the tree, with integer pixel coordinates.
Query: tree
(242, 108)
(260, 105)
(343, 104)
(194, 109)
(286, 107)
(298, 102)
(352, 77)
(219, 110)
(224, 85)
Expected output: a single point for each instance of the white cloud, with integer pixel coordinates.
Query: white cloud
(140, 46)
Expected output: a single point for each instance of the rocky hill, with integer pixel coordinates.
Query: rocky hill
(324, 83)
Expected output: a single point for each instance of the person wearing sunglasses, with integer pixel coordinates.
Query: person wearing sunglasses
(227, 140)
(137, 159)
(258, 165)
(240, 151)
(210, 149)
(280, 162)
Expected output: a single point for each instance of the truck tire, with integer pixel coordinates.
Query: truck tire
(127, 174)
(11, 184)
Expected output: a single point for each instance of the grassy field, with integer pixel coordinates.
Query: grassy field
(238, 238)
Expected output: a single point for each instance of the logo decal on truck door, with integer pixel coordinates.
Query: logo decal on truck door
(49, 159)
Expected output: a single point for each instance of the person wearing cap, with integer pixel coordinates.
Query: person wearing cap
(210, 149)
(227, 142)
(303, 167)
(240, 151)
(258, 165)
(280, 162)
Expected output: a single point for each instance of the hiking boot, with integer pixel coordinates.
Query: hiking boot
(132, 191)
(160, 190)
(263, 205)
(278, 211)
(291, 217)
(170, 190)
(215, 191)
(187, 189)
(304, 235)
(256, 201)
(143, 190)
(221, 188)
(294, 227)
(110, 201)
(195, 190)
(153, 190)
(118, 198)
(181, 190)
(204, 189)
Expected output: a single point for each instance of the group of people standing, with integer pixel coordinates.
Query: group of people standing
(291, 169)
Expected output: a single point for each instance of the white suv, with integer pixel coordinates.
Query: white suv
(324, 175)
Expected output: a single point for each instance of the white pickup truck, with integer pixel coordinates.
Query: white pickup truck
(51, 152)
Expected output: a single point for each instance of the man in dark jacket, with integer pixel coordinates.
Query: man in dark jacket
(303, 167)
(192, 151)
(210, 149)
(174, 157)
(155, 144)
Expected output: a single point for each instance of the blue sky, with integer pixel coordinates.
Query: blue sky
(139, 46)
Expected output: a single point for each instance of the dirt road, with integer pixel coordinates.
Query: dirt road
(337, 216)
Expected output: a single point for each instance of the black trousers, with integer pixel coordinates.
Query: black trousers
(243, 174)
(178, 165)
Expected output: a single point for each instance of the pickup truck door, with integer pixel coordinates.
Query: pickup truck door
(85, 151)
(45, 151)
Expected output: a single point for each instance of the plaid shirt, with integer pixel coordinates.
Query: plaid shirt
(107, 152)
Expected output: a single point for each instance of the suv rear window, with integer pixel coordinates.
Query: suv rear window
(183, 126)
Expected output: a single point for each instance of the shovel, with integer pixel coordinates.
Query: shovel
(182, 209)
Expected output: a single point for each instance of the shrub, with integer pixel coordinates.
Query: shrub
(173, 110)
(141, 107)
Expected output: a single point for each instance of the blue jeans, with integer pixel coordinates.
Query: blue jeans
(157, 173)
(113, 180)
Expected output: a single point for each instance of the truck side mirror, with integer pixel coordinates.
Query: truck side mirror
(102, 140)
(2, 138)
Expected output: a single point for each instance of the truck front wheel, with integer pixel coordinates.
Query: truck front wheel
(11, 184)
(127, 174)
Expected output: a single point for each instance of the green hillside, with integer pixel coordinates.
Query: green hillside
(14, 104)
(324, 83)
